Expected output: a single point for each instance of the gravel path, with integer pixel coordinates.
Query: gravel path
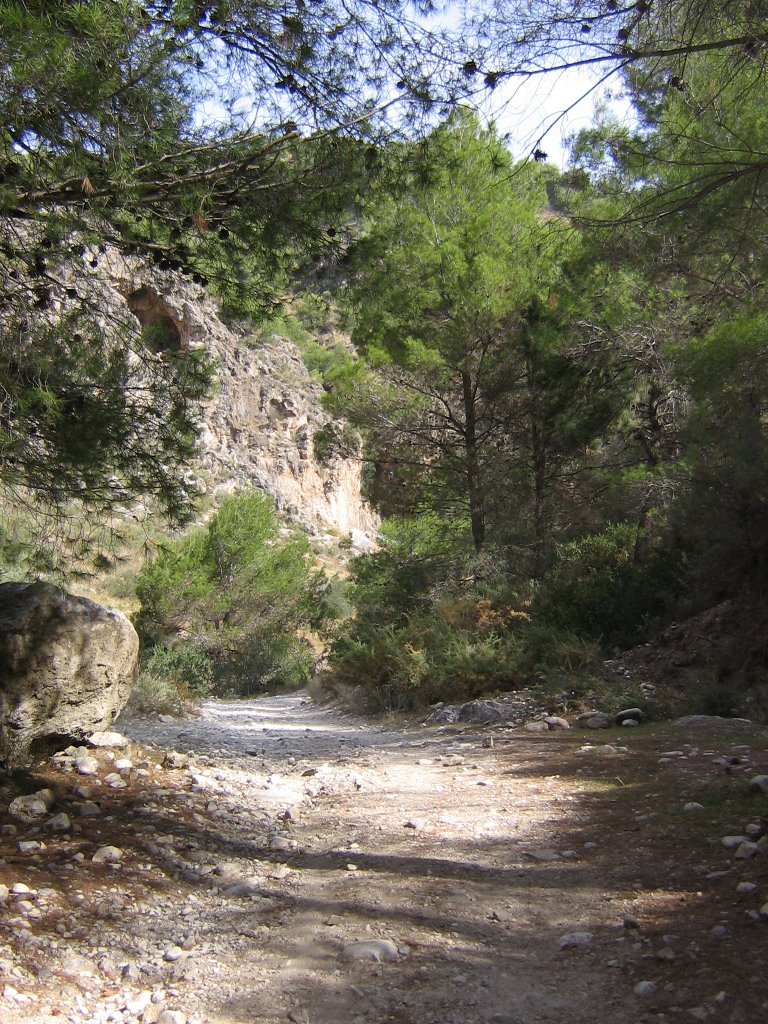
(276, 860)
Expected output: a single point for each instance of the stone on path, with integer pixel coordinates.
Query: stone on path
(371, 949)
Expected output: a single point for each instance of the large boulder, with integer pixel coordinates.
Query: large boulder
(67, 666)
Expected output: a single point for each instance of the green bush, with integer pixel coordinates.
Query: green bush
(420, 633)
(187, 668)
(607, 587)
(235, 598)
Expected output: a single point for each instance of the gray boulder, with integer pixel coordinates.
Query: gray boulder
(481, 712)
(67, 666)
(595, 720)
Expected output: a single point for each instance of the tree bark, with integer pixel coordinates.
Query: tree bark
(474, 482)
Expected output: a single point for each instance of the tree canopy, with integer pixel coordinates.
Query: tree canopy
(209, 139)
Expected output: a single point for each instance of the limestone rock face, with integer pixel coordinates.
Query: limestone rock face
(258, 427)
(67, 666)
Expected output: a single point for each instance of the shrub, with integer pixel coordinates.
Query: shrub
(235, 598)
(187, 668)
(607, 587)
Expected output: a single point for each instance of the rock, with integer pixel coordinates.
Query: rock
(555, 722)
(443, 716)
(172, 954)
(114, 740)
(67, 666)
(536, 727)
(635, 715)
(115, 781)
(545, 856)
(629, 722)
(371, 949)
(29, 809)
(746, 850)
(693, 806)
(86, 765)
(171, 1017)
(107, 855)
(759, 784)
(59, 823)
(595, 720)
(173, 759)
(29, 846)
(88, 809)
(745, 888)
(644, 988)
(689, 720)
(451, 760)
(572, 940)
(732, 842)
(481, 712)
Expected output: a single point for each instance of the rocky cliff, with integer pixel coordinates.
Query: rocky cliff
(257, 429)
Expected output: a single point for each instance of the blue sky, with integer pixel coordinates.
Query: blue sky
(542, 112)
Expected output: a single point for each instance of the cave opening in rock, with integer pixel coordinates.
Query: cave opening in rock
(159, 330)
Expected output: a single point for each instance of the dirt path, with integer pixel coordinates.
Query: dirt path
(491, 875)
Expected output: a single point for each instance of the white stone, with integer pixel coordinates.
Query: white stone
(371, 949)
(108, 739)
(86, 765)
(107, 855)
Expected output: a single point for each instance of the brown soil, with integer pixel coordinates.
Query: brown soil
(474, 850)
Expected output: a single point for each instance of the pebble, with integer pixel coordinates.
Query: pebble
(108, 739)
(172, 954)
(555, 722)
(88, 809)
(280, 843)
(644, 988)
(733, 842)
(30, 846)
(107, 855)
(86, 765)
(744, 888)
(572, 940)
(31, 808)
(371, 949)
(115, 781)
(693, 806)
(171, 1017)
(59, 823)
(746, 850)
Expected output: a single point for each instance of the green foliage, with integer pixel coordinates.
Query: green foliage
(109, 154)
(611, 587)
(420, 632)
(235, 596)
(721, 515)
(187, 669)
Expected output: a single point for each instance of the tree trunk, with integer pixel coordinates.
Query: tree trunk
(474, 483)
